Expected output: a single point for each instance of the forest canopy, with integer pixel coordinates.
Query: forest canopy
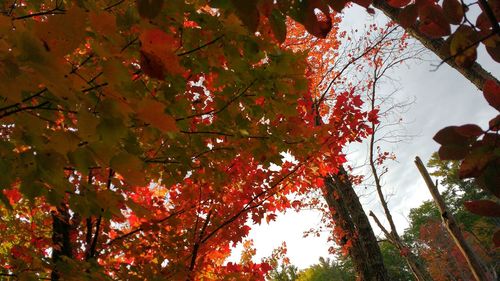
(138, 139)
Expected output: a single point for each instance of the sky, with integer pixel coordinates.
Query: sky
(442, 98)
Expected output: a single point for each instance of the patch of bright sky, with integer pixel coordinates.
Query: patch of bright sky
(442, 98)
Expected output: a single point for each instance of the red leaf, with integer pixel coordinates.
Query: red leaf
(495, 123)
(491, 91)
(452, 152)
(398, 3)
(449, 136)
(469, 130)
(453, 11)
(320, 182)
(408, 15)
(496, 238)
(473, 164)
(157, 53)
(363, 3)
(260, 101)
(318, 24)
(432, 21)
(483, 208)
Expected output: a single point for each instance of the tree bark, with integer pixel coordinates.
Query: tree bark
(476, 266)
(340, 215)
(476, 74)
(365, 252)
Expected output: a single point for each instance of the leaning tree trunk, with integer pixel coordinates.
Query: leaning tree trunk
(365, 251)
(475, 73)
(475, 263)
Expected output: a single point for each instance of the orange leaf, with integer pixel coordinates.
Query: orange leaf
(153, 112)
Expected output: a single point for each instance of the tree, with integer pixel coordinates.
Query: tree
(136, 136)
(326, 270)
(141, 138)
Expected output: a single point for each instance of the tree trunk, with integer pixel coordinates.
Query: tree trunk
(61, 228)
(365, 251)
(475, 74)
(342, 219)
(475, 264)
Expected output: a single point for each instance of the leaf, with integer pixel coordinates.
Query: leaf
(103, 23)
(408, 16)
(453, 11)
(494, 123)
(278, 25)
(469, 131)
(490, 178)
(61, 34)
(158, 53)
(485, 208)
(491, 91)
(474, 163)
(314, 15)
(149, 9)
(432, 21)
(318, 25)
(463, 46)
(450, 136)
(452, 152)
(153, 112)
(130, 167)
(496, 238)
(248, 13)
(338, 5)
(398, 3)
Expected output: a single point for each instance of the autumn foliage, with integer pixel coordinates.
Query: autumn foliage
(138, 137)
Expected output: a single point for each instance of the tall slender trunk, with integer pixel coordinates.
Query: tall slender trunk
(365, 251)
(475, 73)
(61, 241)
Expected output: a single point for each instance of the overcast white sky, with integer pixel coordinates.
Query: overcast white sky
(443, 98)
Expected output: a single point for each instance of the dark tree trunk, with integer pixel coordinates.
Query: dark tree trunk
(61, 228)
(347, 210)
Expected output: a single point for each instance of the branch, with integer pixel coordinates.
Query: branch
(140, 228)
(55, 11)
(99, 219)
(23, 109)
(113, 5)
(199, 242)
(214, 111)
(25, 99)
(249, 205)
(201, 47)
